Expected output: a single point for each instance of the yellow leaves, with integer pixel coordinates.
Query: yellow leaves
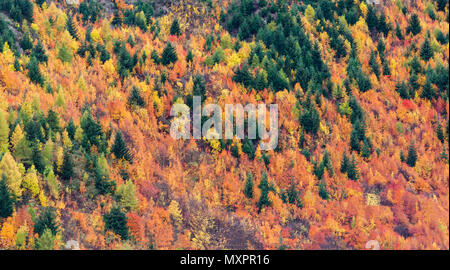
(310, 14)
(31, 182)
(7, 57)
(9, 167)
(95, 35)
(372, 199)
(332, 225)
(7, 234)
(363, 8)
(175, 213)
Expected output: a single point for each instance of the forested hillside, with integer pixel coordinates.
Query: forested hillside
(86, 91)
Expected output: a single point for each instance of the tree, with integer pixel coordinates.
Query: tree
(4, 133)
(127, 196)
(265, 188)
(26, 43)
(428, 90)
(64, 54)
(66, 172)
(412, 156)
(120, 149)
(374, 64)
(102, 182)
(352, 170)
(117, 19)
(345, 163)
(33, 71)
(414, 25)
(323, 191)
(45, 241)
(169, 55)
(31, 182)
(46, 220)
(175, 28)
(136, 98)
(72, 28)
(310, 120)
(248, 189)
(6, 199)
(426, 52)
(116, 221)
(10, 169)
(440, 133)
(39, 53)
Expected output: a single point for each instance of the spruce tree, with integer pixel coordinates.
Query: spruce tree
(248, 189)
(352, 171)
(116, 221)
(323, 191)
(345, 163)
(440, 133)
(72, 28)
(169, 55)
(46, 220)
(120, 149)
(136, 98)
(34, 72)
(67, 167)
(428, 90)
(6, 199)
(265, 188)
(374, 64)
(414, 25)
(117, 19)
(411, 159)
(175, 28)
(426, 52)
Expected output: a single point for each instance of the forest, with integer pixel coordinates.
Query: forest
(86, 156)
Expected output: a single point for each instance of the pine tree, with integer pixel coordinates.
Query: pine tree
(352, 171)
(366, 149)
(39, 53)
(265, 188)
(428, 90)
(414, 25)
(33, 72)
(345, 163)
(426, 52)
(26, 43)
(169, 55)
(386, 68)
(6, 199)
(374, 64)
(248, 189)
(310, 120)
(175, 28)
(440, 133)
(4, 133)
(72, 28)
(71, 129)
(323, 191)
(67, 167)
(46, 221)
(120, 149)
(135, 98)
(412, 156)
(116, 221)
